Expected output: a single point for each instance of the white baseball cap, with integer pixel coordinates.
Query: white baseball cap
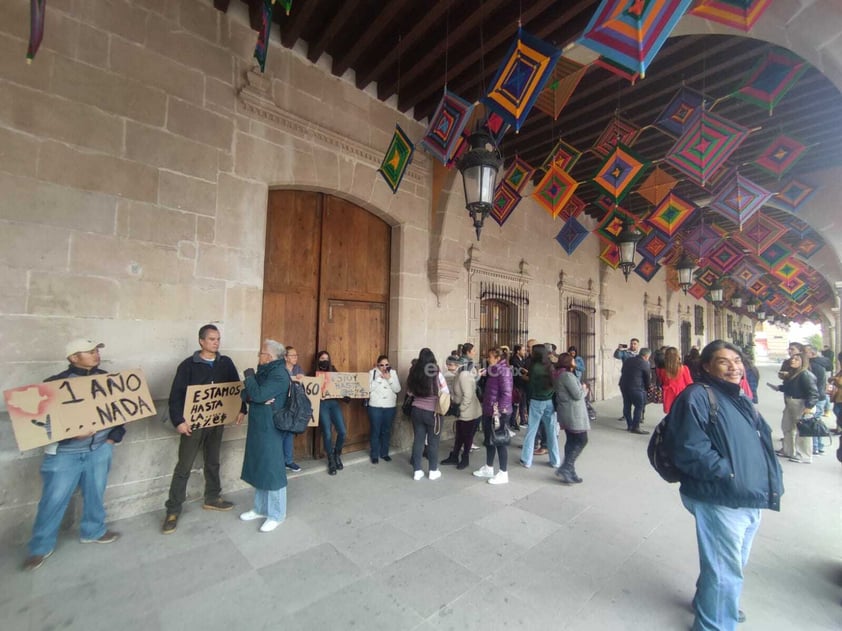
(80, 345)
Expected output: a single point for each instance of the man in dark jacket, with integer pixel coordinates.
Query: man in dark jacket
(728, 473)
(83, 461)
(821, 368)
(635, 378)
(205, 366)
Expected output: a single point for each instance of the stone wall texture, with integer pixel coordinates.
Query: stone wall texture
(136, 156)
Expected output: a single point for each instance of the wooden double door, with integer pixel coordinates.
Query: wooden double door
(326, 287)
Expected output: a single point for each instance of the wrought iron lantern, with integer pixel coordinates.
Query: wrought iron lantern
(479, 167)
(751, 305)
(715, 292)
(761, 313)
(685, 268)
(627, 243)
(736, 301)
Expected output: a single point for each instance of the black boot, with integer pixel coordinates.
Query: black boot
(331, 464)
(463, 461)
(336, 457)
(564, 473)
(570, 462)
(451, 459)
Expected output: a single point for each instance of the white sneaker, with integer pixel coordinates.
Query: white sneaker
(418, 475)
(475, 447)
(269, 525)
(502, 477)
(484, 472)
(434, 475)
(251, 515)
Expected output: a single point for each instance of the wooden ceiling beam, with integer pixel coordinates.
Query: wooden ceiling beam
(385, 17)
(221, 5)
(335, 23)
(462, 30)
(471, 54)
(419, 30)
(293, 26)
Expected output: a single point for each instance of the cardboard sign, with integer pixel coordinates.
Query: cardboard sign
(313, 388)
(354, 385)
(45, 413)
(212, 404)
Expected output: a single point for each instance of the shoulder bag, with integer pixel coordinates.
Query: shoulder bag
(499, 434)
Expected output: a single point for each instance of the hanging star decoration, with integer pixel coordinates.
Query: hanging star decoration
(794, 193)
(678, 112)
(772, 78)
(571, 235)
(261, 49)
(707, 142)
(673, 211)
(37, 11)
(505, 201)
(739, 198)
(397, 159)
(521, 77)
(446, 126)
(554, 190)
(739, 14)
(517, 174)
(780, 155)
(619, 172)
(560, 86)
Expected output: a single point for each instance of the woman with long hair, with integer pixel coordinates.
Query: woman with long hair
(425, 383)
(330, 415)
(541, 408)
(673, 376)
(836, 397)
(572, 416)
(800, 397)
(384, 387)
(496, 399)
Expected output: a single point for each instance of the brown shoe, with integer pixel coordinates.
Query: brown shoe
(35, 561)
(218, 504)
(109, 537)
(540, 452)
(170, 524)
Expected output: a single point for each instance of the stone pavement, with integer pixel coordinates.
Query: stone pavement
(372, 549)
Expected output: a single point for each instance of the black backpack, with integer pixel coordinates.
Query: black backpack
(296, 414)
(659, 456)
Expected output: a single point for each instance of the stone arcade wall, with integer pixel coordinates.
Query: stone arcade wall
(136, 154)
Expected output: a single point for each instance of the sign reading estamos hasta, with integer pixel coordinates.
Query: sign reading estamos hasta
(51, 411)
(212, 404)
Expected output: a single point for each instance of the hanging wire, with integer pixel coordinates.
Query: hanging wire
(446, 43)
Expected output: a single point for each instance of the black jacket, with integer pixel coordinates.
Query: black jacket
(636, 374)
(820, 366)
(802, 385)
(730, 463)
(194, 371)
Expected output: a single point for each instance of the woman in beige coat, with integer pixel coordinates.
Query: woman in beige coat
(470, 411)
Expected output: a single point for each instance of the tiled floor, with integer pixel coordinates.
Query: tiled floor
(371, 549)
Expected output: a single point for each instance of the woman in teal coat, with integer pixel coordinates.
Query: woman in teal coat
(263, 464)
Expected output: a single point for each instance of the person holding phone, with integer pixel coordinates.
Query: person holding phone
(384, 387)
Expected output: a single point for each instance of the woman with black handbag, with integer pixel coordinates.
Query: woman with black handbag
(800, 398)
(496, 410)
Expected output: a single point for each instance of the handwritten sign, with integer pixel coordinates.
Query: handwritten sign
(313, 388)
(45, 413)
(345, 384)
(212, 404)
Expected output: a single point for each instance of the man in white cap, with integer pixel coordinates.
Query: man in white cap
(83, 461)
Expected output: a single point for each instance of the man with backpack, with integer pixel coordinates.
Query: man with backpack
(728, 471)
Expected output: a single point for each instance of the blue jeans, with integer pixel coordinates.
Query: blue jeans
(724, 536)
(540, 413)
(273, 504)
(62, 473)
(330, 415)
(381, 430)
(289, 450)
(633, 399)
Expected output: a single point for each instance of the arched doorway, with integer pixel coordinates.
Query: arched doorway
(326, 287)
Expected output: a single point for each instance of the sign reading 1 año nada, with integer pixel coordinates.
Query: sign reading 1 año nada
(48, 412)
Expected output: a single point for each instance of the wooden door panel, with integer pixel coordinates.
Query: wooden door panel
(355, 335)
(321, 249)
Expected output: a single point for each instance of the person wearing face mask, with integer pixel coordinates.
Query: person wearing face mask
(330, 416)
(728, 473)
(384, 387)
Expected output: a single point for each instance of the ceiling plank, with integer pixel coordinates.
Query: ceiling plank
(221, 5)
(293, 26)
(338, 21)
(384, 19)
(419, 30)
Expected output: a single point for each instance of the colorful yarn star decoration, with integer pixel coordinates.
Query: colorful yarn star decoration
(571, 235)
(506, 200)
(780, 155)
(446, 126)
(397, 159)
(619, 172)
(554, 190)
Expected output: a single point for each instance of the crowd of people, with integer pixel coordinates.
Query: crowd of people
(727, 476)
